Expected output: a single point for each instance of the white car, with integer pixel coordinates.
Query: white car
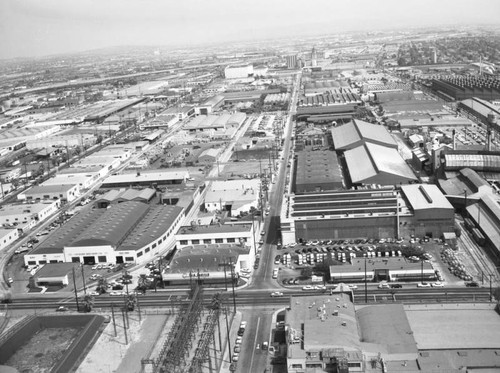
(308, 287)
(383, 285)
(238, 340)
(94, 293)
(276, 294)
(117, 293)
(437, 285)
(353, 286)
(319, 287)
(423, 285)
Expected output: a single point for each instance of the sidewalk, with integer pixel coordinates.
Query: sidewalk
(233, 333)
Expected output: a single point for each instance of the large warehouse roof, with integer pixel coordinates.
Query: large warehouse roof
(126, 226)
(356, 132)
(317, 168)
(387, 326)
(425, 196)
(377, 164)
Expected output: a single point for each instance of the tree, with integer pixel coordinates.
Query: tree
(131, 302)
(306, 273)
(144, 283)
(88, 303)
(102, 285)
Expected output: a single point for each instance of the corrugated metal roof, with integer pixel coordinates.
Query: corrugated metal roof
(425, 196)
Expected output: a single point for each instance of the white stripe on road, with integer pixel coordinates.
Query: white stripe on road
(254, 343)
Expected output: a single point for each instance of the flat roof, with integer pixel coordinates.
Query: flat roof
(425, 196)
(388, 326)
(319, 317)
(51, 188)
(441, 326)
(24, 208)
(389, 263)
(206, 258)
(217, 228)
(317, 167)
(143, 176)
(55, 270)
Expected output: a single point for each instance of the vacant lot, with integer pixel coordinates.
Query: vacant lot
(43, 351)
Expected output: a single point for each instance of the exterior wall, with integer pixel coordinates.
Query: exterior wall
(44, 258)
(373, 227)
(78, 253)
(183, 240)
(70, 195)
(431, 222)
(52, 280)
(7, 236)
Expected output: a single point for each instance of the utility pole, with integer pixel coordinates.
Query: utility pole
(83, 278)
(113, 315)
(76, 291)
(366, 285)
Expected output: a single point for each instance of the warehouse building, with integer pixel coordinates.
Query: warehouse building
(371, 212)
(149, 179)
(207, 263)
(358, 132)
(317, 171)
(382, 269)
(373, 332)
(128, 232)
(233, 196)
(63, 192)
(427, 211)
(25, 216)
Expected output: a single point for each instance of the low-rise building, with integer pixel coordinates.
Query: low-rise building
(7, 236)
(63, 192)
(234, 196)
(25, 216)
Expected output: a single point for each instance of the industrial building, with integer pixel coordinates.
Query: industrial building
(389, 337)
(8, 236)
(317, 171)
(63, 192)
(233, 196)
(239, 71)
(358, 132)
(482, 110)
(463, 87)
(127, 232)
(230, 233)
(210, 105)
(382, 269)
(150, 179)
(210, 264)
(25, 216)
(372, 212)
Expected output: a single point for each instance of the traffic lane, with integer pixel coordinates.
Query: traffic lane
(252, 357)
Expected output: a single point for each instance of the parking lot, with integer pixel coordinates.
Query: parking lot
(452, 267)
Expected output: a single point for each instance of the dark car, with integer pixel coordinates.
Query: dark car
(472, 284)
(396, 286)
(241, 331)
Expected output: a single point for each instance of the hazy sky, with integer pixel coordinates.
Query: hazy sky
(42, 27)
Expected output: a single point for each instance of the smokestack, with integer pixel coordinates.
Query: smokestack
(454, 141)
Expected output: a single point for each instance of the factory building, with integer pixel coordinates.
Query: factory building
(239, 71)
(317, 171)
(127, 232)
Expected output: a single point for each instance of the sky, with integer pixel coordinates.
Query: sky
(33, 28)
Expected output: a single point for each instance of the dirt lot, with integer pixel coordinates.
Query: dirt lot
(43, 350)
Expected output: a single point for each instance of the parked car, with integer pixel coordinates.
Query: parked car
(396, 286)
(437, 284)
(472, 284)
(276, 294)
(308, 287)
(62, 309)
(423, 285)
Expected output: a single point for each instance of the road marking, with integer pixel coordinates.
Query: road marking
(254, 343)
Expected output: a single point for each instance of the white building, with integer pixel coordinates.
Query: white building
(26, 215)
(7, 236)
(128, 232)
(236, 196)
(64, 192)
(239, 71)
